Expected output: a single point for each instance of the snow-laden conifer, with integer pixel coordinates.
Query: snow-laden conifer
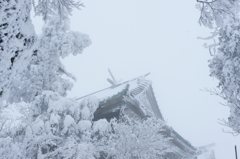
(17, 38)
(45, 71)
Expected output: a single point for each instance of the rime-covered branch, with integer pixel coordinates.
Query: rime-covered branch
(225, 63)
(62, 8)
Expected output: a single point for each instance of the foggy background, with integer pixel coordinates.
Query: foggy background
(134, 37)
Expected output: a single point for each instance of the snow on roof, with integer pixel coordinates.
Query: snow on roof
(111, 91)
(207, 155)
(108, 93)
(206, 152)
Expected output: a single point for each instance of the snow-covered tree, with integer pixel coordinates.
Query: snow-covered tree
(8, 149)
(65, 129)
(45, 70)
(47, 124)
(55, 115)
(135, 139)
(17, 38)
(223, 16)
(60, 131)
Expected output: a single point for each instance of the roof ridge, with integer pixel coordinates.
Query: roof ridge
(111, 87)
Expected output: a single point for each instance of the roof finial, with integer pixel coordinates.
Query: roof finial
(113, 82)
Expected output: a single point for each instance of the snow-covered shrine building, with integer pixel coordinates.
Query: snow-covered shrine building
(135, 98)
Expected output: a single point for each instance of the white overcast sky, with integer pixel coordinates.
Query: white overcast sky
(134, 37)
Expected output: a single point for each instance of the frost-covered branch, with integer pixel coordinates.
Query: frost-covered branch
(62, 8)
(225, 63)
(215, 11)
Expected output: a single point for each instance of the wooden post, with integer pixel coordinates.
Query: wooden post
(236, 151)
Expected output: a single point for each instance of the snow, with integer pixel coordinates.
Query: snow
(51, 110)
(85, 113)
(47, 127)
(11, 116)
(17, 41)
(84, 125)
(62, 105)
(88, 106)
(38, 126)
(68, 122)
(54, 118)
(8, 149)
(207, 155)
(101, 126)
(31, 71)
(108, 93)
(206, 152)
